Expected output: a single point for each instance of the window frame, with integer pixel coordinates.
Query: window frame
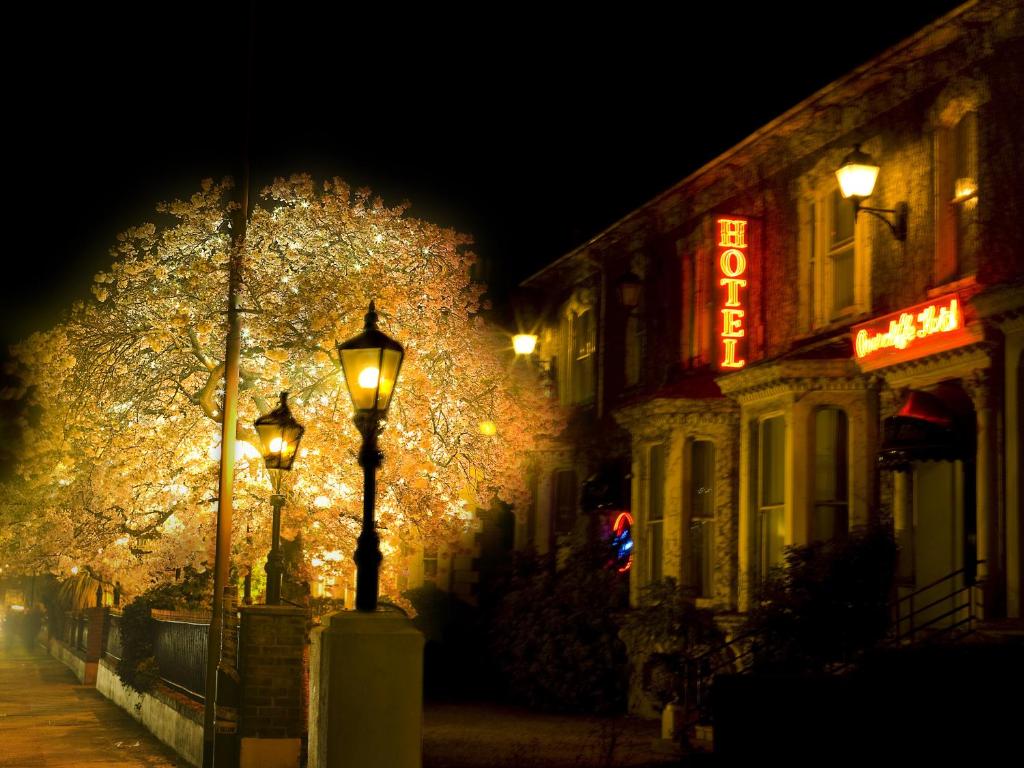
(764, 510)
(701, 578)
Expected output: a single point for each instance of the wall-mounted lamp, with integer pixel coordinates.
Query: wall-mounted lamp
(857, 175)
(524, 343)
(630, 289)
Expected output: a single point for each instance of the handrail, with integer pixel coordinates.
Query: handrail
(947, 577)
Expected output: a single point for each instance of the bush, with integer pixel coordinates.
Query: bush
(455, 662)
(554, 637)
(668, 633)
(828, 605)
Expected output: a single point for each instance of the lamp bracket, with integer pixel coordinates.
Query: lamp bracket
(898, 226)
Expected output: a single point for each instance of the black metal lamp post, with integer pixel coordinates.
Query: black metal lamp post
(370, 362)
(280, 434)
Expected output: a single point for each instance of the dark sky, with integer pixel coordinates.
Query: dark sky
(529, 129)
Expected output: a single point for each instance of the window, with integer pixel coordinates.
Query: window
(831, 489)
(697, 303)
(655, 512)
(956, 199)
(564, 501)
(771, 491)
(578, 346)
(702, 516)
(834, 272)
(635, 341)
(430, 563)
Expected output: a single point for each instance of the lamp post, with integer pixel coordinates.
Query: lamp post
(857, 175)
(280, 434)
(370, 363)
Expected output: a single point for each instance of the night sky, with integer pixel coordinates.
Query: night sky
(528, 130)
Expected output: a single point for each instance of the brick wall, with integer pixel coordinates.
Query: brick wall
(271, 662)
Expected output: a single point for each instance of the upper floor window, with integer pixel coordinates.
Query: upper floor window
(578, 345)
(635, 341)
(835, 269)
(956, 199)
(831, 488)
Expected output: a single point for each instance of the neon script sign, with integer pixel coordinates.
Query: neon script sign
(912, 332)
(622, 542)
(732, 267)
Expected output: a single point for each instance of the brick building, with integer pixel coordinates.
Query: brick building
(759, 365)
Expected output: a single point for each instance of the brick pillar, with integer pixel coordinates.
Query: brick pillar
(272, 652)
(97, 622)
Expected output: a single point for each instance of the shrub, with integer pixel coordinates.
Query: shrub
(554, 637)
(828, 605)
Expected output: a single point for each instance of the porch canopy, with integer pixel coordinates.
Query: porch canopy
(928, 427)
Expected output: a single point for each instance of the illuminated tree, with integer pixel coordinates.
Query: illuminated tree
(119, 470)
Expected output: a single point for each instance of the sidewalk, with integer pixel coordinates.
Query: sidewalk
(47, 720)
(494, 736)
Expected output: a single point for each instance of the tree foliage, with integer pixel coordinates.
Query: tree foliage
(123, 398)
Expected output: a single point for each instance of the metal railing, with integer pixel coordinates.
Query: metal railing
(947, 606)
(180, 650)
(112, 648)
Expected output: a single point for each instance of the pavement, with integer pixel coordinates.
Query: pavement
(48, 720)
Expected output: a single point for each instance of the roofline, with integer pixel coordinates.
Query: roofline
(762, 131)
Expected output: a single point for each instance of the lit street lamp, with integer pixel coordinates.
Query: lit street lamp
(280, 434)
(370, 363)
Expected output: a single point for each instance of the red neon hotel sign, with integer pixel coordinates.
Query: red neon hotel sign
(919, 330)
(731, 256)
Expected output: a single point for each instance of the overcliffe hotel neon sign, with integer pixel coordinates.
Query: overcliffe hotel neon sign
(919, 330)
(731, 253)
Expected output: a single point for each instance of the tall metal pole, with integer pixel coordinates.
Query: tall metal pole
(275, 560)
(222, 558)
(368, 555)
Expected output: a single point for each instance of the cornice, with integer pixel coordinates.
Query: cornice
(954, 363)
(756, 382)
(661, 414)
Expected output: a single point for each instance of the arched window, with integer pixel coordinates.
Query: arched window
(831, 486)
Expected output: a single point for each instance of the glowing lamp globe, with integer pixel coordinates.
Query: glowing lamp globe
(280, 434)
(857, 174)
(370, 363)
(524, 343)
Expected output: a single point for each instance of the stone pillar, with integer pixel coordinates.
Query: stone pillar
(366, 692)
(272, 644)
(97, 622)
(989, 572)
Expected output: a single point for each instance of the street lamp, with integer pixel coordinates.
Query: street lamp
(370, 363)
(280, 434)
(857, 175)
(630, 288)
(524, 343)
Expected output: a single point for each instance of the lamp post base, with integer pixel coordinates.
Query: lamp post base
(366, 691)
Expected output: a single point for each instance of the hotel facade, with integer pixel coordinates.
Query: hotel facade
(753, 360)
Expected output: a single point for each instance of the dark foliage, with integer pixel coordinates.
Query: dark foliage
(456, 662)
(828, 605)
(554, 636)
(670, 635)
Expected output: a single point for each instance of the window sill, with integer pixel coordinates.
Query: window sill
(962, 284)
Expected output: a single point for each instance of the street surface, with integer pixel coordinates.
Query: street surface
(48, 720)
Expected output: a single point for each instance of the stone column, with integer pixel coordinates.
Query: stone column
(987, 513)
(97, 622)
(272, 647)
(366, 691)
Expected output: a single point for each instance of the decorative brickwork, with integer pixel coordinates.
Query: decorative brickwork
(272, 649)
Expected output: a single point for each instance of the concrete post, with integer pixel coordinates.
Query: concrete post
(366, 692)
(272, 646)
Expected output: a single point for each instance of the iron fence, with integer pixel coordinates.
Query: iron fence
(180, 650)
(113, 644)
